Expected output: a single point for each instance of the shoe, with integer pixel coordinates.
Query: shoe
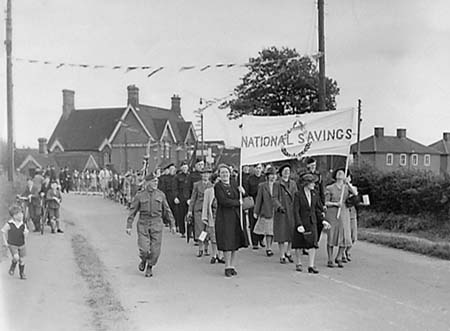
(22, 271)
(148, 271)
(255, 247)
(220, 260)
(283, 260)
(207, 253)
(262, 244)
(305, 252)
(313, 270)
(269, 252)
(344, 259)
(228, 272)
(330, 264)
(200, 254)
(183, 236)
(339, 263)
(60, 231)
(53, 230)
(12, 268)
(349, 257)
(142, 265)
(298, 267)
(196, 243)
(233, 272)
(213, 260)
(289, 257)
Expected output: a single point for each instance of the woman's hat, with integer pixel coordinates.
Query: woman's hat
(223, 165)
(286, 165)
(308, 178)
(269, 171)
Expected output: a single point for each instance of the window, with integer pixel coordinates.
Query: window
(402, 159)
(427, 160)
(389, 159)
(414, 159)
(166, 150)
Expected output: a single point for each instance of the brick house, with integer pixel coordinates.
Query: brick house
(443, 146)
(121, 136)
(389, 153)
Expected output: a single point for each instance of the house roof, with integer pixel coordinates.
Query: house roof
(392, 144)
(441, 146)
(86, 129)
(43, 160)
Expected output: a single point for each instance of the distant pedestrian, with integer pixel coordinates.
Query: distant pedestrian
(152, 206)
(229, 233)
(14, 234)
(347, 257)
(54, 199)
(252, 183)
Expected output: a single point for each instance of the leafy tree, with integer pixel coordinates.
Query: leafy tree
(280, 82)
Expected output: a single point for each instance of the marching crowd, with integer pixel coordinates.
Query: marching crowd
(215, 208)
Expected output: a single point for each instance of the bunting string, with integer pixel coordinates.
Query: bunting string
(156, 69)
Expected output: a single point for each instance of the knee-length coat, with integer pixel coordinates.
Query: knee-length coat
(309, 215)
(283, 198)
(229, 233)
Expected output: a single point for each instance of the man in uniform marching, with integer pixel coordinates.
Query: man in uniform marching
(152, 206)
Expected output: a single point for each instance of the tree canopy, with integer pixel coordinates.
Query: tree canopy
(280, 82)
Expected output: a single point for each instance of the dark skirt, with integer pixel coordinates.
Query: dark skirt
(308, 239)
(229, 233)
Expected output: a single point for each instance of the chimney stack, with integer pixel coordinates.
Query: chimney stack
(401, 133)
(379, 132)
(176, 104)
(42, 145)
(133, 95)
(68, 103)
(446, 136)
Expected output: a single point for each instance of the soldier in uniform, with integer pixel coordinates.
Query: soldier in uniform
(152, 206)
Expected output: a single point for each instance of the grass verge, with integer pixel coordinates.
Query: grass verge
(108, 313)
(406, 242)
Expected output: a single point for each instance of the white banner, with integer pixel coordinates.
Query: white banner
(275, 138)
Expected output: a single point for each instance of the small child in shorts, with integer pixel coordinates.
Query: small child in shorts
(14, 234)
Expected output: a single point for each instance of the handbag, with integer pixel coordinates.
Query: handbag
(247, 203)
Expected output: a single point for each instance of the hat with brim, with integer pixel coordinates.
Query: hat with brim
(286, 165)
(269, 171)
(308, 178)
(168, 166)
(150, 177)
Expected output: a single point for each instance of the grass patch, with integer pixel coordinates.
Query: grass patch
(406, 242)
(108, 313)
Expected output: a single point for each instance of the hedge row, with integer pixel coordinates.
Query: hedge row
(405, 192)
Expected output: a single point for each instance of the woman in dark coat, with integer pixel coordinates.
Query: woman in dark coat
(229, 234)
(308, 220)
(283, 222)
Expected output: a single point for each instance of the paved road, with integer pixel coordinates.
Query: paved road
(382, 289)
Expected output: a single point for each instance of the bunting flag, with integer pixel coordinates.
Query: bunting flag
(129, 68)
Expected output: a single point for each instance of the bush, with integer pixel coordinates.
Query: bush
(405, 192)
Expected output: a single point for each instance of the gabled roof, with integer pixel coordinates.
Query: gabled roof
(392, 144)
(86, 129)
(155, 120)
(441, 146)
(22, 156)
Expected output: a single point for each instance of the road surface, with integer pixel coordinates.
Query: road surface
(87, 279)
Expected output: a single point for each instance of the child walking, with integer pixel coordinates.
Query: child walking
(14, 233)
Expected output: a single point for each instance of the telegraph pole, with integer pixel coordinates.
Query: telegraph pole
(359, 134)
(9, 92)
(321, 30)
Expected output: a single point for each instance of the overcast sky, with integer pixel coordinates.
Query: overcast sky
(394, 55)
